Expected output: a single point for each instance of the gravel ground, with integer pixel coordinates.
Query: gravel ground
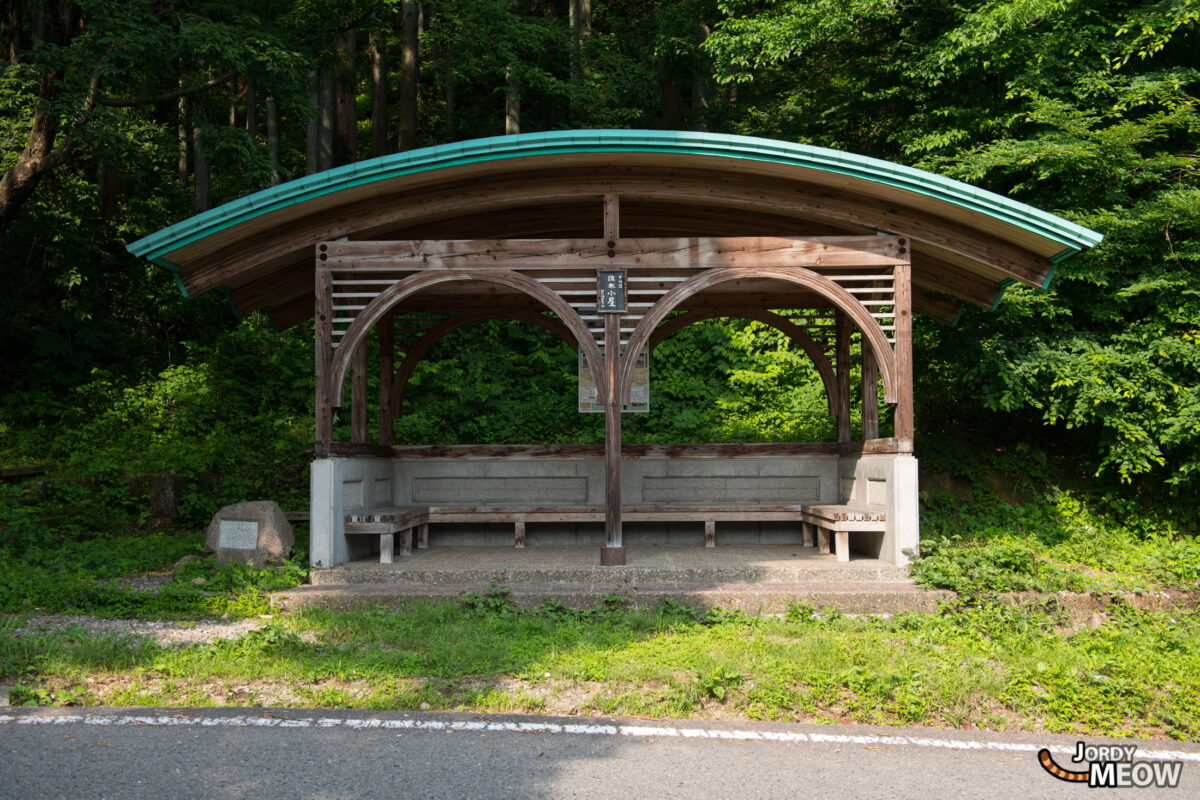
(203, 631)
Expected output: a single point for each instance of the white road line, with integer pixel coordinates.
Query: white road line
(648, 731)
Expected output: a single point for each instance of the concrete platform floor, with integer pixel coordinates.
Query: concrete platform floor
(673, 564)
(755, 578)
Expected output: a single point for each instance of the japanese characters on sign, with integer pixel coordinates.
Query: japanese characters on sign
(610, 291)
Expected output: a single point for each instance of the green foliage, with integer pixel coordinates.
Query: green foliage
(1086, 109)
(723, 380)
(84, 576)
(495, 600)
(718, 683)
(1047, 538)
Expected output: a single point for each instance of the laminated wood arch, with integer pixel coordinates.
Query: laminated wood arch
(839, 297)
(967, 243)
(770, 318)
(419, 348)
(396, 293)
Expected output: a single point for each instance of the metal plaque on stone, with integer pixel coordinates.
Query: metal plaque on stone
(237, 535)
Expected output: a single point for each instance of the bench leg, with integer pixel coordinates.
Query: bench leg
(423, 536)
(806, 533)
(519, 535)
(842, 541)
(385, 548)
(406, 542)
(822, 541)
(710, 533)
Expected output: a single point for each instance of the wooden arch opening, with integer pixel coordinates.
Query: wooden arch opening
(794, 332)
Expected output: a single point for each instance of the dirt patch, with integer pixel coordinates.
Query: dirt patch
(161, 633)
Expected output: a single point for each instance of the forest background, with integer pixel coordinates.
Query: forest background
(120, 117)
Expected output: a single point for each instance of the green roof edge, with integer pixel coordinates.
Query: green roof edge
(1073, 237)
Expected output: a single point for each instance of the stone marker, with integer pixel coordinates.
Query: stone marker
(249, 532)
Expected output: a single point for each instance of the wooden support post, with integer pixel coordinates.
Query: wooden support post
(710, 533)
(823, 541)
(323, 366)
(423, 536)
(841, 543)
(406, 537)
(358, 395)
(386, 546)
(904, 423)
(844, 329)
(387, 369)
(519, 534)
(613, 552)
(612, 220)
(806, 531)
(870, 393)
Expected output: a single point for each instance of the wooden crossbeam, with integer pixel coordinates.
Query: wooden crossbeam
(647, 253)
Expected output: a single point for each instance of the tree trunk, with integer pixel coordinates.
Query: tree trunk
(409, 76)
(581, 26)
(110, 187)
(379, 98)
(345, 146)
(325, 114)
(512, 102)
(14, 25)
(671, 116)
(313, 126)
(40, 154)
(37, 159)
(251, 110)
(273, 138)
(701, 76)
(203, 175)
(185, 140)
(449, 88)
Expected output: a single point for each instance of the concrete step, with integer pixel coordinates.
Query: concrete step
(848, 597)
(648, 565)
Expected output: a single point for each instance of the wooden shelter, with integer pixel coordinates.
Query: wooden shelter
(835, 250)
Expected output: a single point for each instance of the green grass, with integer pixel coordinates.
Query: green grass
(981, 546)
(81, 576)
(989, 666)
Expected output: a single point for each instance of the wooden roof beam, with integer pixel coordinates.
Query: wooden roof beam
(649, 253)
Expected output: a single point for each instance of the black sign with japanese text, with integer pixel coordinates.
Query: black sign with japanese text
(610, 292)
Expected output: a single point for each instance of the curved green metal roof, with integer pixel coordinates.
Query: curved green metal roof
(1071, 237)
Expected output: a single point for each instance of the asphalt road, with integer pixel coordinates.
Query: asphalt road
(233, 753)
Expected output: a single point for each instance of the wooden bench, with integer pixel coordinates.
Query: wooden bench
(386, 523)
(841, 521)
(709, 515)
